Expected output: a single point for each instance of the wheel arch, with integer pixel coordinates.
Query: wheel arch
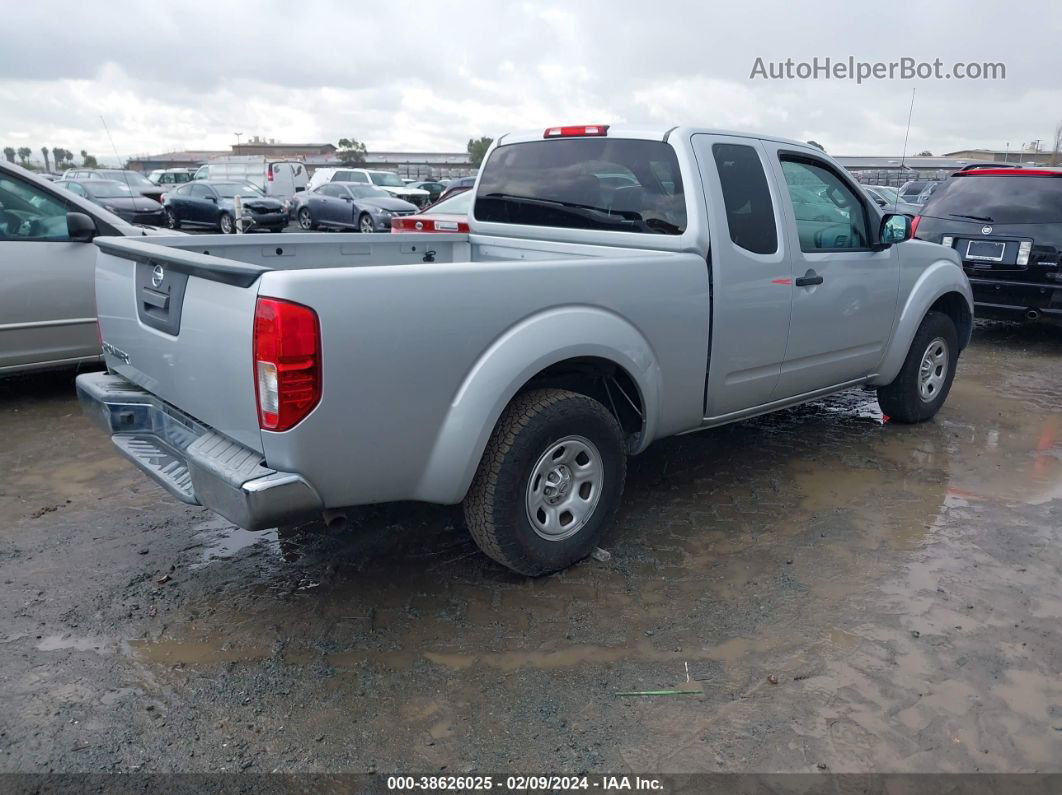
(608, 360)
(940, 287)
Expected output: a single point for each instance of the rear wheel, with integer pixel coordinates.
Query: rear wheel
(226, 224)
(365, 223)
(925, 379)
(172, 221)
(549, 482)
(306, 219)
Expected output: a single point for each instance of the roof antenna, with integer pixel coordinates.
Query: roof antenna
(114, 149)
(906, 135)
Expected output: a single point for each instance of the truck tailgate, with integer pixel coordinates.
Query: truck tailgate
(179, 324)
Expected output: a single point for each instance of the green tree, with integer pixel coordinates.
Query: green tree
(477, 149)
(24, 153)
(87, 160)
(58, 155)
(351, 152)
(9, 153)
(817, 145)
(47, 165)
(925, 153)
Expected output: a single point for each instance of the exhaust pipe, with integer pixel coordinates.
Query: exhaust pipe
(1032, 314)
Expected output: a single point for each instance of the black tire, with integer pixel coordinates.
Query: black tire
(903, 400)
(305, 218)
(172, 221)
(497, 505)
(276, 229)
(365, 220)
(226, 225)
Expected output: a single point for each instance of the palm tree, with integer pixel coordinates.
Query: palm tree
(23, 154)
(9, 153)
(44, 151)
(57, 154)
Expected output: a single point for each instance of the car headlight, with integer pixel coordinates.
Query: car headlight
(382, 211)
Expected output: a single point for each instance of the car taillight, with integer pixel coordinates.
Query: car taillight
(914, 225)
(269, 174)
(576, 132)
(287, 362)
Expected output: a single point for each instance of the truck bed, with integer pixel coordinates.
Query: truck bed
(400, 345)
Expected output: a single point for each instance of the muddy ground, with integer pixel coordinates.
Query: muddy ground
(901, 585)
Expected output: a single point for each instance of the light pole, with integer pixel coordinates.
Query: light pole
(238, 135)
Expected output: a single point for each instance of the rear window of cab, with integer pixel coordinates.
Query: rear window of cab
(617, 185)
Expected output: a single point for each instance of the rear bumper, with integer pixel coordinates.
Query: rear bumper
(1013, 300)
(194, 463)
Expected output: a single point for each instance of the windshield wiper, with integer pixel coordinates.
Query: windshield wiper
(540, 200)
(971, 217)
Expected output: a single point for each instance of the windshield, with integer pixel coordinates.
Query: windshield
(131, 177)
(998, 200)
(460, 204)
(386, 178)
(229, 190)
(365, 192)
(890, 195)
(109, 189)
(585, 183)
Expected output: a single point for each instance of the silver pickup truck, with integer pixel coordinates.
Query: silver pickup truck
(617, 286)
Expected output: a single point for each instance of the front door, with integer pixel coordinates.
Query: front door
(750, 274)
(47, 297)
(844, 291)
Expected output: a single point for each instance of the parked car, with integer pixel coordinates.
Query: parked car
(926, 192)
(456, 186)
(118, 198)
(884, 196)
(909, 191)
(213, 203)
(134, 179)
(561, 334)
(386, 180)
(449, 215)
(348, 205)
(48, 298)
(168, 177)
(279, 179)
(433, 188)
(1006, 226)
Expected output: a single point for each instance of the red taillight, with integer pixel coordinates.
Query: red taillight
(914, 225)
(587, 130)
(269, 174)
(287, 363)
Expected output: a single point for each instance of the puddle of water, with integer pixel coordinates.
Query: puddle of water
(223, 540)
(98, 644)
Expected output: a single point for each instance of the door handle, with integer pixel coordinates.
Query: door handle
(808, 279)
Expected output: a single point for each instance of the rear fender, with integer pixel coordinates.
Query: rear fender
(524, 350)
(940, 278)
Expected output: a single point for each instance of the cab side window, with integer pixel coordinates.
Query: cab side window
(29, 213)
(829, 215)
(749, 210)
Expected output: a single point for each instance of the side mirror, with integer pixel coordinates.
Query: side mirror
(80, 228)
(212, 199)
(895, 228)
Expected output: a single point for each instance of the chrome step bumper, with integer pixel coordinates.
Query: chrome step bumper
(191, 461)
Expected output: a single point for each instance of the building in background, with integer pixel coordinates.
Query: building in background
(187, 159)
(274, 149)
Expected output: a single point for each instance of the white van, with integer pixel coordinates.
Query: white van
(281, 179)
(387, 180)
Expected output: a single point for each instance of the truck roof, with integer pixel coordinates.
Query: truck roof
(651, 133)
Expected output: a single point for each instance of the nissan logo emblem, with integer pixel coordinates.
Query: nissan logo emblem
(986, 230)
(157, 276)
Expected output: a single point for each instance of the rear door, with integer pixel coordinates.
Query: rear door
(47, 303)
(282, 182)
(844, 292)
(750, 273)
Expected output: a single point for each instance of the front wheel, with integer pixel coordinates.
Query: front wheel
(924, 381)
(549, 482)
(365, 223)
(226, 224)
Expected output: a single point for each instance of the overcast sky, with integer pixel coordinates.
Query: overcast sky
(413, 76)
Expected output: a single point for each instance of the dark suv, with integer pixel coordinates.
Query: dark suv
(1006, 225)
